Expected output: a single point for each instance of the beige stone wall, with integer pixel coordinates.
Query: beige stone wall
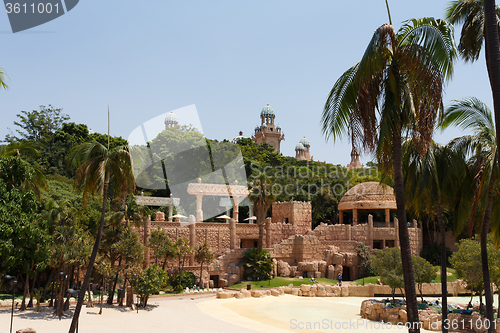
(298, 213)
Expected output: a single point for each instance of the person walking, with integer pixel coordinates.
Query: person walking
(340, 280)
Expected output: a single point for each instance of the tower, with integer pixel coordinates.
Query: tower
(171, 120)
(267, 131)
(355, 163)
(302, 152)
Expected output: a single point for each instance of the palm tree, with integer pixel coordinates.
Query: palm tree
(262, 197)
(472, 114)
(96, 168)
(2, 79)
(431, 190)
(395, 90)
(481, 20)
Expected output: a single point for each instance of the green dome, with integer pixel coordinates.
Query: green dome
(267, 111)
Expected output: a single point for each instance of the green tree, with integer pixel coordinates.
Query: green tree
(151, 281)
(97, 167)
(181, 251)
(388, 265)
(162, 247)
(395, 89)
(203, 254)
(433, 191)
(258, 264)
(365, 261)
(424, 273)
(37, 124)
(472, 114)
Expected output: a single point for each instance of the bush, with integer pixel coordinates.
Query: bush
(188, 281)
(151, 281)
(258, 264)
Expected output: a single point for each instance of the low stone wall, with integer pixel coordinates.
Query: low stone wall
(429, 319)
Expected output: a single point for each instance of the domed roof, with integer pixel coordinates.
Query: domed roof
(299, 146)
(278, 127)
(240, 136)
(267, 111)
(305, 142)
(369, 195)
(264, 125)
(257, 128)
(171, 118)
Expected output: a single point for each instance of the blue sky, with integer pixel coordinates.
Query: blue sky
(229, 58)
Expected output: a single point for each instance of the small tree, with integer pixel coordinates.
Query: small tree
(181, 251)
(162, 247)
(467, 264)
(203, 254)
(388, 265)
(258, 264)
(151, 281)
(365, 261)
(424, 273)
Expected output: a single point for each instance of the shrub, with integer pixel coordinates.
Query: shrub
(188, 281)
(151, 281)
(432, 253)
(258, 264)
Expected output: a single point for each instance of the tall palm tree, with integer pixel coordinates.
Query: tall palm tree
(96, 168)
(481, 21)
(430, 183)
(395, 90)
(472, 114)
(262, 197)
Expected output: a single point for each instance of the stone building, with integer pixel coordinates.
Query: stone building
(171, 120)
(355, 163)
(302, 152)
(297, 249)
(267, 131)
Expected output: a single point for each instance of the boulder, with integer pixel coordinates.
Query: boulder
(308, 266)
(275, 292)
(344, 291)
(338, 259)
(331, 272)
(318, 274)
(293, 271)
(323, 268)
(305, 287)
(295, 291)
(257, 293)
(239, 295)
(222, 283)
(283, 268)
(403, 316)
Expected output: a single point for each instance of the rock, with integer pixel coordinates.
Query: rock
(308, 266)
(331, 272)
(295, 292)
(318, 274)
(403, 316)
(224, 295)
(328, 288)
(283, 268)
(257, 293)
(305, 287)
(287, 290)
(293, 271)
(321, 292)
(330, 294)
(323, 268)
(275, 292)
(239, 295)
(344, 291)
(338, 259)
(222, 283)
(299, 292)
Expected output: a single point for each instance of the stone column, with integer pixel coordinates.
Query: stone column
(145, 242)
(387, 217)
(370, 230)
(396, 230)
(341, 216)
(354, 216)
(199, 206)
(192, 240)
(236, 206)
(250, 209)
(268, 232)
(415, 224)
(232, 234)
(349, 232)
(170, 213)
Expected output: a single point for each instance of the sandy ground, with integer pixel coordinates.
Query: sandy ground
(195, 314)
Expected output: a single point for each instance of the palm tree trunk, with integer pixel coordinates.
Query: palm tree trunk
(261, 234)
(30, 303)
(444, 285)
(201, 272)
(404, 238)
(81, 294)
(47, 284)
(26, 288)
(110, 300)
(484, 258)
(492, 53)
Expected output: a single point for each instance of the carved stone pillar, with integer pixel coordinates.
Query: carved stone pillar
(145, 242)
(236, 206)
(341, 216)
(199, 208)
(192, 241)
(232, 234)
(268, 232)
(387, 217)
(354, 216)
(370, 230)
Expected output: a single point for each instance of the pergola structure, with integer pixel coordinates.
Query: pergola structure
(228, 204)
(223, 190)
(369, 196)
(159, 201)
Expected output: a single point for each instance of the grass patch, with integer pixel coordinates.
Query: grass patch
(368, 279)
(281, 282)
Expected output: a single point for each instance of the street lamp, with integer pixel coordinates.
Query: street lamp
(72, 291)
(137, 294)
(8, 277)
